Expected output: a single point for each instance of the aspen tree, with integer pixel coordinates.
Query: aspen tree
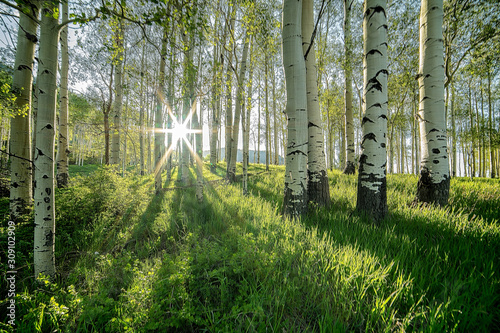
(372, 191)
(117, 110)
(21, 195)
(240, 92)
(349, 168)
(318, 187)
(434, 179)
(295, 196)
(44, 259)
(63, 147)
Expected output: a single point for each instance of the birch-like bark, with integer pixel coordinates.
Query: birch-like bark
(490, 129)
(115, 137)
(245, 125)
(229, 90)
(268, 125)
(63, 147)
(349, 168)
(372, 191)
(21, 195)
(295, 196)
(317, 187)
(434, 179)
(215, 119)
(187, 104)
(240, 92)
(198, 148)
(159, 133)
(141, 113)
(44, 260)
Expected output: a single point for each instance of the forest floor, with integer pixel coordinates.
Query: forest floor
(132, 261)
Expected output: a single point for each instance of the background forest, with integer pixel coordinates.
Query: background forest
(146, 175)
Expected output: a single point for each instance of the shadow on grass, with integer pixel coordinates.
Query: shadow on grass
(454, 266)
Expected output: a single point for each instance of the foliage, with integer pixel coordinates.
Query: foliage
(165, 263)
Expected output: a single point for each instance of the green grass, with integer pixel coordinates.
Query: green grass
(130, 261)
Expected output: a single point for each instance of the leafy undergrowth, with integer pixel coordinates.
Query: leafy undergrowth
(130, 261)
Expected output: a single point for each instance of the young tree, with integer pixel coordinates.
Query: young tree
(63, 147)
(159, 133)
(295, 197)
(349, 168)
(117, 110)
(434, 179)
(20, 146)
(372, 191)
(240, 92)
(44, 151)
(318, 187)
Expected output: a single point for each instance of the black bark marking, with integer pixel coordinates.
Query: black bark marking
(432, 193)
(378, 105)
(435, 161)
(296, 152)
(433, 130)
(366, 119)
(15, 185)
(382, 145)
(383, 116)
(373, 10)
(46, 199)
(436, 151)
(372, 52)
(22, 67)
(45, 177)
(32, 38)
(312, 125)
(374, 84)
(49, 239)
(369, 136)
(48, 126)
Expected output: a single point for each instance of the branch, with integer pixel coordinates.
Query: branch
(313, 35)
(11, 5)
(14, 155)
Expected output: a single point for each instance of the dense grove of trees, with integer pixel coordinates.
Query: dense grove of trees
(313, 84)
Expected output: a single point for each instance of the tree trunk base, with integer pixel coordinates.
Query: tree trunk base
(319, 191)
(432, 193)
(62, 180)
(350, 168)
(295, 205)
(373, 203)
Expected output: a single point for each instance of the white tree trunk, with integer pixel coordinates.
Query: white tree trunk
(159, 133)
(317, 187)
(63, 148)
(44, 259)
(372, 191)
(240, 92)
(434, 180)
(295, 197)
(115, 138)
(245, 125)
(20, 132)
(349, 168)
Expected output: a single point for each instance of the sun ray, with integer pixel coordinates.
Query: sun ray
(179, 133)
